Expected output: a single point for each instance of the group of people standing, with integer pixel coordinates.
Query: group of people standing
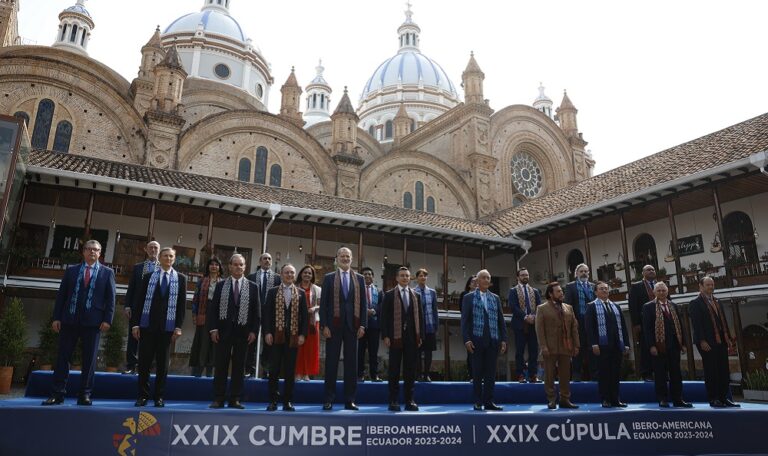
(571, 327)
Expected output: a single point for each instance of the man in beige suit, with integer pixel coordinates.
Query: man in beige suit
(558, 334)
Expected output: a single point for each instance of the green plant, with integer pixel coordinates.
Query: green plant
(757, 380)
(693, 267)
(662, 272)
(113, 341)
(705, 265)
(49, 343)
(71, 257)
(13, 328)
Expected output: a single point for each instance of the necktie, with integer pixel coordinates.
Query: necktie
(405, 299)
(608, 308)
(666, 311)
(263, 281)
(236, 293)
(164, 284)
(87, 279)
(345, 283)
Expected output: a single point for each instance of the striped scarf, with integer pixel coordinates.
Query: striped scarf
(585, 295)
(661, 345)
(280, 316)
(478, 312)
(715, 311)
(202, 299)
(426, 298)
(353, 287)
(398, 318)
(170, 315)
(245, 298)
(602, 328)
(521, 297)
(91, 286)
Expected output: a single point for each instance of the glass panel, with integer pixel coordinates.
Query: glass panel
(73, 35)
(388, 129)
(275, 175)
(43, 122)
(244, 170)
(431, 205)
(260, 176)
(407, 200)
(62, 137)
(419, 196)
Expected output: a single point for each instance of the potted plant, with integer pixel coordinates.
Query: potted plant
(662, 273)
(708, 267)
(756, 386)
(49, 345)
(70, 257)
(113, 343)
(12, 341)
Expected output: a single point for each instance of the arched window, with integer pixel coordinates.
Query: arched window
(431, 205)
(275, 176)
(407, 200)
(388, 130)
(260, 173)
(43, 122)
(73, 35)
(740, 237)
(82, 38)
(575, 258)
(372, 131)
(63, 33)
(314, 100)
(244, 170)
(419, 196)
(413, 124)
(62, 137)
(644, 249)
(22, 115)
(322, 101)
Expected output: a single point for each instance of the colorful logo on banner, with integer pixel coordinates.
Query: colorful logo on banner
(147, 425)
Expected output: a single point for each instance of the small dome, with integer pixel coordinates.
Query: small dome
(79, 9)
(409, 67)
(213, 21)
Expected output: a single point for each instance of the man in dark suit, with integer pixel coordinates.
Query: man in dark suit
(85, 305)
(139, 271)
(608, 339)
(343, 311)
(265, 278)
(233, 320)
(523, 300)
(402, 327)
(664, 333)
(485, 336)
(370, 341)
(578, 294)
(713, 337)
(640, 293)
(157, 318)
(428, 298)
(285, 328)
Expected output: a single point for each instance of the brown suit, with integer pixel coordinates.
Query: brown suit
(549, 331)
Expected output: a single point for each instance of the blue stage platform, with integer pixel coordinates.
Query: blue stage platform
(445, 425)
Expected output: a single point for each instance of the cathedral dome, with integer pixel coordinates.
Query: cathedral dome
(78, 8)
(409, 67)
(213, 22)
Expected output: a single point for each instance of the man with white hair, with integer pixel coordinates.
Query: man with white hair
(578, 294)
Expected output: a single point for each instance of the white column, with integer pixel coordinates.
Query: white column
(195, 70)
(247, 79)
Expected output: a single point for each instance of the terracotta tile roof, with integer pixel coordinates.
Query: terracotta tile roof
(719, 148)
(255, 192)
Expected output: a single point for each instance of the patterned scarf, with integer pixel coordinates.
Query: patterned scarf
(149, 266)
(661, 346)
(426, 298)
(91, 286)
(353, 287)
(280, 316)
(398, 319)
(170, 315)
(478, 312)
(602, 328)
(564, 327)
(585, 295)
(202, 299)
(311, 298)
(521, 297)
(715, 312)
(245, 299)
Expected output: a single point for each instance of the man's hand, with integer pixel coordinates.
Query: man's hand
(470, 346)
(128, 313)
(360, 332)
(705, 346)
(327, 332)
(176, 334)
(654, 352)
(301, 340)
(215, 336)
(503, 347)
(251, 337)
(386, 342)
(56, 326)
(596, 350)
(626, 351)
(544, 351)
(683, 350)
(104, 326)
(575, 351)
(135, 332)
(268, 339)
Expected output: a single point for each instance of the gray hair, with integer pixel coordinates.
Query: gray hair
(236, 255)
(92, 242)
(582, 265)
(483, 272)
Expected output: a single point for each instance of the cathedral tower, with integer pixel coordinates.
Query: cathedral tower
(75, 25)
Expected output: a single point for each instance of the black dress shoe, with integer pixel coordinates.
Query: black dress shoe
(394, 407)
(361, 379)
(216, 405)
(551, 405)
(730, 403)
(351, 406)
(427, 379)
(619, 404)
(478, 407)
(606, 404)
(53, 400)
(492, 407)
(84, 399)
(411, 407)
(327, 406)
(236, 405)
(663, 404)
(288, 407)
(647, 378)
(272, 407)
(130, 372)
(377, 379)
(140, 402)
(683, 404)
(568, 405)
(716, 404)
(159, 402)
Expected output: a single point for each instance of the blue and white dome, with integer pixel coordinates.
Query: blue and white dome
(409, 67)
(78, 8)
(212, 20)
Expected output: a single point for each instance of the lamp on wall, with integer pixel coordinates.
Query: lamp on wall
(619, 266)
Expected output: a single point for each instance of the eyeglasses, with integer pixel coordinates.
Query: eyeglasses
(93, 249)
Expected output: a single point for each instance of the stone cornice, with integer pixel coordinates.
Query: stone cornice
(449, 120)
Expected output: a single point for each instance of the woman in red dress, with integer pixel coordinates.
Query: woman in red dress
(308, 357)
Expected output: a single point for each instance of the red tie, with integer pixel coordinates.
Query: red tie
(87, 275)
(666, 311)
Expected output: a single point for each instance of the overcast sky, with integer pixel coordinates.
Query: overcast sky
(644, 75)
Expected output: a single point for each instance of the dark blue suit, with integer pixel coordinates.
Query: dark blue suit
(370, 341)
(585, 362)
(132, 348)
(429, 339)
(608, 362)
(667, 364)
(272, 279)
(486, 349)
(345, 333)
(525, 334)
(82, 324)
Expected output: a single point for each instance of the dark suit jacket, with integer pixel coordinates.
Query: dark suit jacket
(518, 314)
(134, 283)
(159, 310)
(212, 320)
(591, 327)
(433, 295)
(273, 280)
(467, 308)
(701, 322)
(374, 322)
(649, 326)
(269, 318)
(638, 296)
(102, 300)
(388, 315)
(572, 297)
(346, 305)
